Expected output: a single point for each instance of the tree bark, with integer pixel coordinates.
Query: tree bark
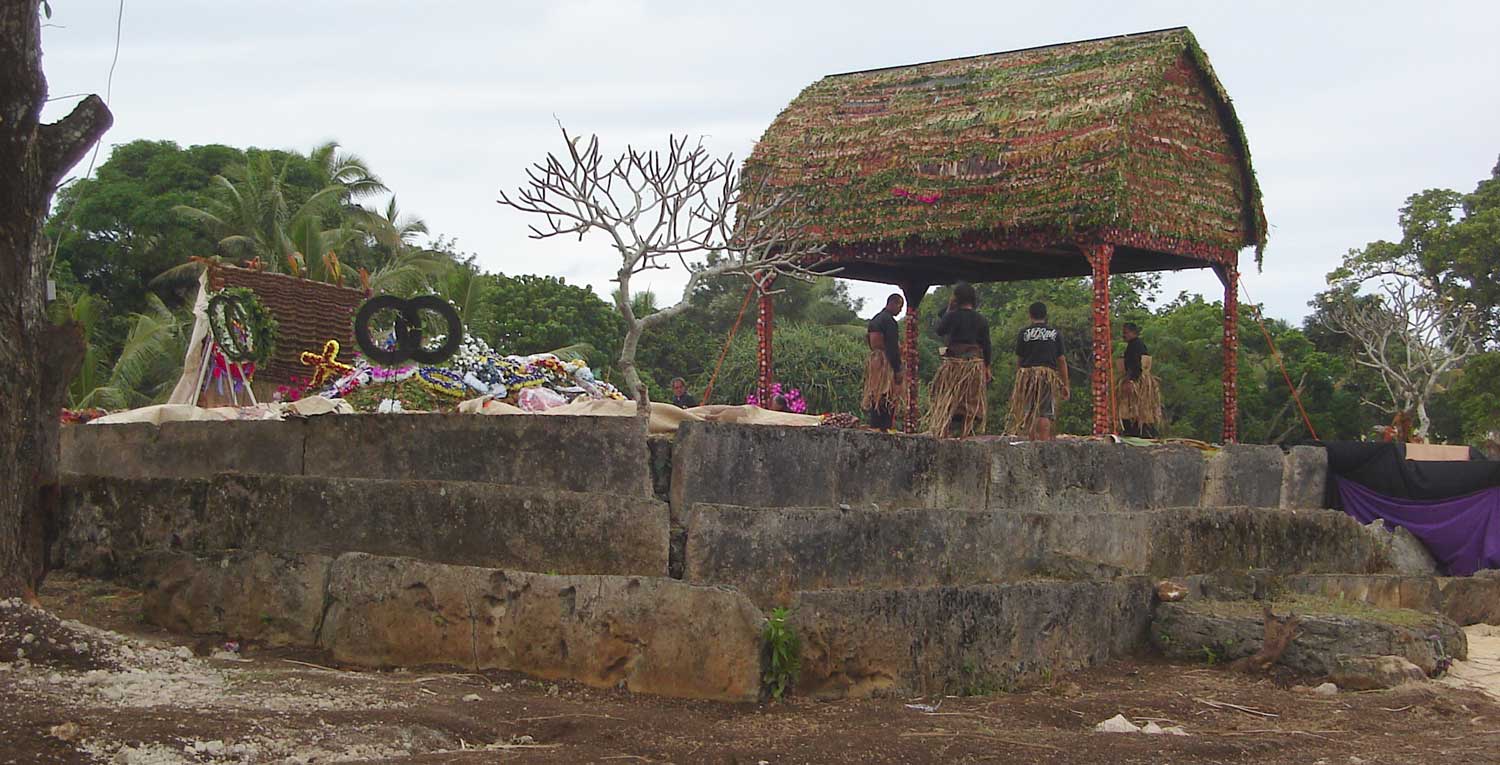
(37, 359)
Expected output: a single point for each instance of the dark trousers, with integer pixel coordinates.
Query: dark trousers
(883, 418)
(1135, 429)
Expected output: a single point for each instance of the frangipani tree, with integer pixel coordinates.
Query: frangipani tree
(1411, 336)
(662, 210)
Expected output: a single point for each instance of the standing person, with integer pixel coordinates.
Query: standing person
(882, 393)
(680, 395)
(1139, 396)
(958, 391)
(1041, 378)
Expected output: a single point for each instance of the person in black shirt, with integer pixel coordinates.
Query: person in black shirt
(1041, 378)
(959, 404)
(883, 391)
(1139, 393)
(680, 395)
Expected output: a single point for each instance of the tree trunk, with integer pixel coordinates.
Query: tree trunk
(36, 358)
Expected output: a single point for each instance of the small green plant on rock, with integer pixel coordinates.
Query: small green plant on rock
(785, 653)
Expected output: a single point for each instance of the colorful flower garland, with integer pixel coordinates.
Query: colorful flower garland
(241, 326)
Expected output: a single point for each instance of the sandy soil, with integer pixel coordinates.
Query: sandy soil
(119, 692)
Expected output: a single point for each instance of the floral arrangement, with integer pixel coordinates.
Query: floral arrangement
(291, 391)
(474, 370)
(241, 326)
(792, 396)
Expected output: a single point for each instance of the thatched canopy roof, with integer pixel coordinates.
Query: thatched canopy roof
(998, 166)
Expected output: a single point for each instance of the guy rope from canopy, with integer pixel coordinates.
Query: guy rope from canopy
(1115, 155)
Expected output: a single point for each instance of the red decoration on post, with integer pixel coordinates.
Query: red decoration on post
(764, 329)
(1098, 256)
(1230, 275)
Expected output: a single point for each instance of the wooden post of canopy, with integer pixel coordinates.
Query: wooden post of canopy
(914, 292)
(1229, 274)
(1099, 256)
(764, 330)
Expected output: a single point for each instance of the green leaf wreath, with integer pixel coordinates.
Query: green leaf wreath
(241, 326)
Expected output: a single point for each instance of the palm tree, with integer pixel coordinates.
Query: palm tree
(148, 366)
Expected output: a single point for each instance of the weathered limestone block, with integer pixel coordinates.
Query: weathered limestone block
(598, 454)
(400, 612)
(882, 470)
(108, 524)
(753, 466)
(275, 599)
(478, 524)
(1244, 538)
(650, 635)
(764, 466)
(183, 449)
(1080, 476)
(1407, 553)
(1368, 673)
(1232, 630)
(1304, 478)
(771, 553)
(1240, 475)
(1470, 599)
(981, 638)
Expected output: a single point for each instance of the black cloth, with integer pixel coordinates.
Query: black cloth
(1383, 468)
(964, 326)
(685, 401)
(1039, 345)
(1134, 350)
(883, 417)
(885, 323)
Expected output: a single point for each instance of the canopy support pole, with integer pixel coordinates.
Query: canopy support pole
(764, 329)
(1099, 255)
(914, 292)
(1229, 274)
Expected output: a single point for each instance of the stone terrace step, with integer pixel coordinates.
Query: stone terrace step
(603, 454)
(109, 523)
(1464, 599)
(771, 553)
(975, 639)
(1328, 632)
(646, 634)
(762, 466)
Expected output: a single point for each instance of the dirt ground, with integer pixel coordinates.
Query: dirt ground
(149, 699)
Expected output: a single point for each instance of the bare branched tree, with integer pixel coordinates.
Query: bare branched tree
(667, 209)
(1412, 337)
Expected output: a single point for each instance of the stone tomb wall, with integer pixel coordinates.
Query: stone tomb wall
(558, 546)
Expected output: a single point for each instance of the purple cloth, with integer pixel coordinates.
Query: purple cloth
(1463, 533)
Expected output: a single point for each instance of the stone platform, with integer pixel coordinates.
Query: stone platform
(578, 548)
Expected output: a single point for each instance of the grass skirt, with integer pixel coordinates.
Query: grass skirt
(958, 392)
(1142, 401)
(881, 389)
(1033, 384)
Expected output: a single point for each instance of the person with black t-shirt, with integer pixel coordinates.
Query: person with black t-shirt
(882, 392)
(1139, 392)
(1041, 378)
(959, 404)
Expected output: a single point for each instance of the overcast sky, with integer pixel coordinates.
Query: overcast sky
(1349, 106)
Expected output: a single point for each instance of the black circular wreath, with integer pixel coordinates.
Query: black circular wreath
(241, 326)
(409, 340)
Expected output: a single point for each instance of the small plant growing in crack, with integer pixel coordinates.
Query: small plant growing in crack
(784, 649)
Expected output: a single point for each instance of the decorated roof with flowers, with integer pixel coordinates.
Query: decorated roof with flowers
(308, 314)
(994, 162)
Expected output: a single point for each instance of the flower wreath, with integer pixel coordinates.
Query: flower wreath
(443, 381)
(241, 326)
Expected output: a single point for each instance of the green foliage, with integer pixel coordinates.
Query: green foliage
(1471, 404)
(783, 653)
(826, 363)
(532, 314)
